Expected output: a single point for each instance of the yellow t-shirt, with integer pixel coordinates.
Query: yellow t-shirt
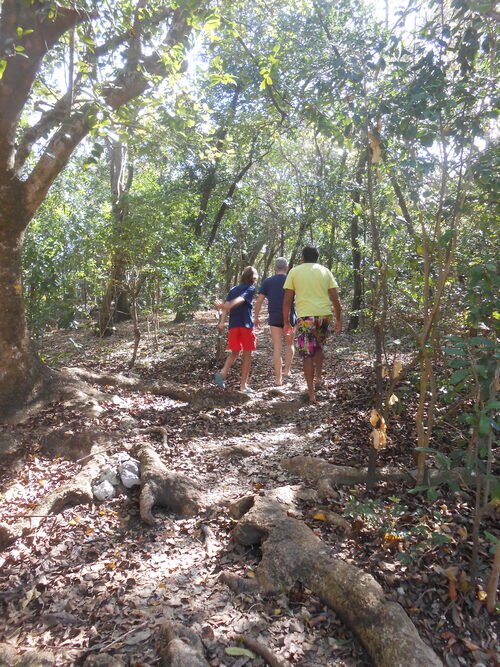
(311, 283)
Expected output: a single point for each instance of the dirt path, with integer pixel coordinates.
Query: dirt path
(96, 579)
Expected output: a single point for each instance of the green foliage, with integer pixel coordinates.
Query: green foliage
(412, 532)
(475, 359)
(64, 251)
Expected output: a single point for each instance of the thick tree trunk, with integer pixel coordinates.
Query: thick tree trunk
(19, 368)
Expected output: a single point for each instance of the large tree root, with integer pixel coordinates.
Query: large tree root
(55, 386)
(10, 658)
(312, 468)
(75, 446)
(328, 475)
(197, 398)
(75, 492)
(163, 488)
(292, 552)
(183, 647)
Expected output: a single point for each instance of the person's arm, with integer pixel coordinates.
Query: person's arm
(258, 306)
(224, 308)
(287, 303)
(334, 298)
(229, 305)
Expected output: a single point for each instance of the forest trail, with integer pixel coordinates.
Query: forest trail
(95, 578)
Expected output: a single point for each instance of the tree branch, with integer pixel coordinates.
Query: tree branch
(128, 85)
(22, 67)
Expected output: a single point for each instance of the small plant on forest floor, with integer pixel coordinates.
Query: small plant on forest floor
(390, 520)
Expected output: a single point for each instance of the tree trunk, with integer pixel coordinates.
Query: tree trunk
(357, 297)
(211, 177)
(18, 365)
(115, 305)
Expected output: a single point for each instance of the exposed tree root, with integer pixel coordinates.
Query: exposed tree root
(197, 398)
(159, 487)
(73, 446)
(334, 519)
(61, 386)
(291, 552)
(184, 647)
(311, 468)
(103, 660)
(261, 649)
(10, 658)
(328, 476)
(75, 492)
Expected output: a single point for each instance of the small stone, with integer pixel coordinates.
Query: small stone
(104, 491)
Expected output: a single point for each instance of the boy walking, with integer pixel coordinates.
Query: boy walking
(241, 335)
(315, 291)
(272, 289)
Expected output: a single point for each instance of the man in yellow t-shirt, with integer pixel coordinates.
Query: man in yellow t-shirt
(315, 291)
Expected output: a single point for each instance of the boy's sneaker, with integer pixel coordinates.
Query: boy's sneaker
(249, 391)
(219, 381)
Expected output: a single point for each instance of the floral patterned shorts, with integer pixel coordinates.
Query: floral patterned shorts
(311, 334)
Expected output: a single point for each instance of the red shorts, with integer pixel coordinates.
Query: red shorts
(241, 338)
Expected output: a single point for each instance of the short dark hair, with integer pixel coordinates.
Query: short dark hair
(249, 275)
(310, 254)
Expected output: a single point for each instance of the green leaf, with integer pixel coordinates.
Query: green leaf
(237, 650)
(445, 238)
(484, 425)
(458, 351)
(495, 491)
(3, 65)
(491, 537)
(439, 538)
(212, 23)
(459, 363)
(443, 460)
(460, 375)
(481, 340)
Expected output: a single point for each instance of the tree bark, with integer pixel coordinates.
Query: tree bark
(115, 306)
(19, 366)
(357, 285)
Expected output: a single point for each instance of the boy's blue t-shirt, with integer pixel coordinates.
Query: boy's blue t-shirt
(272, 288)
(241, 316)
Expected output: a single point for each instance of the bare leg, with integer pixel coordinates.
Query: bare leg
(289, 353)
(229, 362)
(318, 366)
(245, 368)
(276, 335)
(309, 376)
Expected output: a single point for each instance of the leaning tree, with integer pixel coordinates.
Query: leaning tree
(107, 60)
